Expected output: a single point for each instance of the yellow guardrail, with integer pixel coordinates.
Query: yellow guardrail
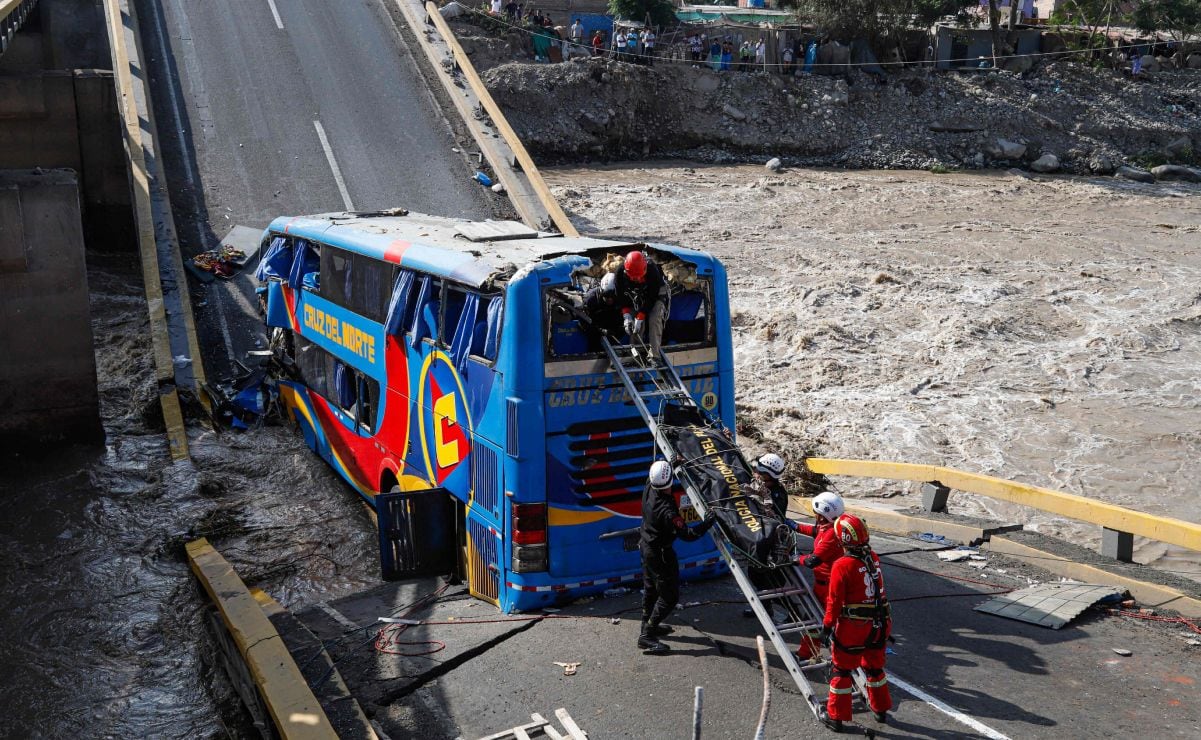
(8, 6)
(12, 14)
(139, 180)
(1163, 529)
(560, 219)
(294, 709)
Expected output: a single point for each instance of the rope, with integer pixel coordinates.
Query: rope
(618, 54)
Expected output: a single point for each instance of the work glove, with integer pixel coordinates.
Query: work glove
(827, 634)
(811, 561)
(710, 518)
(638, 327)
(629, 324)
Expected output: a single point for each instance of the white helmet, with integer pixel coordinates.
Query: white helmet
(660, 475)
(609, 282)
(829, 505)
(770, 464)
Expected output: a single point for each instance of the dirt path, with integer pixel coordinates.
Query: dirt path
(1046, 331)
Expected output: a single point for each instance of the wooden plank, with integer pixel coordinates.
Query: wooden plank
(177, 437)
(1163, 529)
(569, 724)
(293, 707)
(502, 125)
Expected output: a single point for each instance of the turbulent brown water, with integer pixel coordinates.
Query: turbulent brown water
(1044, 330)
(102, 620)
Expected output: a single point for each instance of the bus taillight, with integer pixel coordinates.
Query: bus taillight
(529, 538)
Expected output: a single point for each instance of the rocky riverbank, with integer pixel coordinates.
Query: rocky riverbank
(1058, 116)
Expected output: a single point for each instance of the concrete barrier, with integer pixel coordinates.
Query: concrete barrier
(70, 119)
(48, 366)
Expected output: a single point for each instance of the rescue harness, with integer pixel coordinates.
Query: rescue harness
(878, 612)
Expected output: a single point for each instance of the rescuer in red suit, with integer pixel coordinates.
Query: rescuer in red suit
(827, 507)
(858, 624)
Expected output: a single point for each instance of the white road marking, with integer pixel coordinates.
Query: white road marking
(946, 709)
(333, 165)
(275, 14)
(177, 109)
(223, 321)
(337, 616)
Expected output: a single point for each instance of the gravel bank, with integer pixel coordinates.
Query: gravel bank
(1090, 120)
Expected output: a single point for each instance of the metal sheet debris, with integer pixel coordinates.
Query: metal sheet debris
(1050, 605)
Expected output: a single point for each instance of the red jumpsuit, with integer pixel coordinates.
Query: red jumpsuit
(828, 549)
(856, 609)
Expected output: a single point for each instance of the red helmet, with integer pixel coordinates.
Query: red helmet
(851, 531)
(636, 266)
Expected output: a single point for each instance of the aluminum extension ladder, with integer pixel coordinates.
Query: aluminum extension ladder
(653, 382)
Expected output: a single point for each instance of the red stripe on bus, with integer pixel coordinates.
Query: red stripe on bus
(394, 251)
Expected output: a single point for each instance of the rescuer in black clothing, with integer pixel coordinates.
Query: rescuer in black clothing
(661, 525)
(600, 302)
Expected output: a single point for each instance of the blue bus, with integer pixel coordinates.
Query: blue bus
(432, 353)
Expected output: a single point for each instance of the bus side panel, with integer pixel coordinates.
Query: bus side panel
(523, 449)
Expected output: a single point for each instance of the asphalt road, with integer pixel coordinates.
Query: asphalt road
(1012, 679)
(268, 108)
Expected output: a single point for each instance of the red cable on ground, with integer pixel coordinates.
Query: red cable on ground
(387, 642)
(1156, 618)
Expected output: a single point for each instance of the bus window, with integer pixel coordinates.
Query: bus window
(335, 274)
(425, 312)
(346, 388)
(452, 307)
(371, 287)
(305, 266)
(495, 311)
(315, 365)
(476, 324)
(368, 404)
(689, 321)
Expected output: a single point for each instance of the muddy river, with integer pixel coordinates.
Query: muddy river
(104, 626)
(1046, 331)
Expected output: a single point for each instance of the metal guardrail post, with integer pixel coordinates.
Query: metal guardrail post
(12, 16)
(934, 496)
(1117, 545)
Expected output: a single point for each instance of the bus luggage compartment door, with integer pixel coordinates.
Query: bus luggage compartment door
(417, 533)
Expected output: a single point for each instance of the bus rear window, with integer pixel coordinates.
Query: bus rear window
(689, 319)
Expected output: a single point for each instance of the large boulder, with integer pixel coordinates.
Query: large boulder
(1179, 147)
(1100, 164)
(1005, 149)
(1150, 64)
(1134, 173)
(1176, 172)
(1045, 163)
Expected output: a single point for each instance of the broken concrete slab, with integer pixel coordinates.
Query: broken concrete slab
(1051, 605)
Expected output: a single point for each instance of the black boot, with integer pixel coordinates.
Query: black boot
(659, 630)
(833, 724)
(881, 717)
(648, 644)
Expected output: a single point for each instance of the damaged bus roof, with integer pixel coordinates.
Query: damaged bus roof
(475, 253)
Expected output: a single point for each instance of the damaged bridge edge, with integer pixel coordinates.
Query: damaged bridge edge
(294, 708)
(504, 151)
(148, 190)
